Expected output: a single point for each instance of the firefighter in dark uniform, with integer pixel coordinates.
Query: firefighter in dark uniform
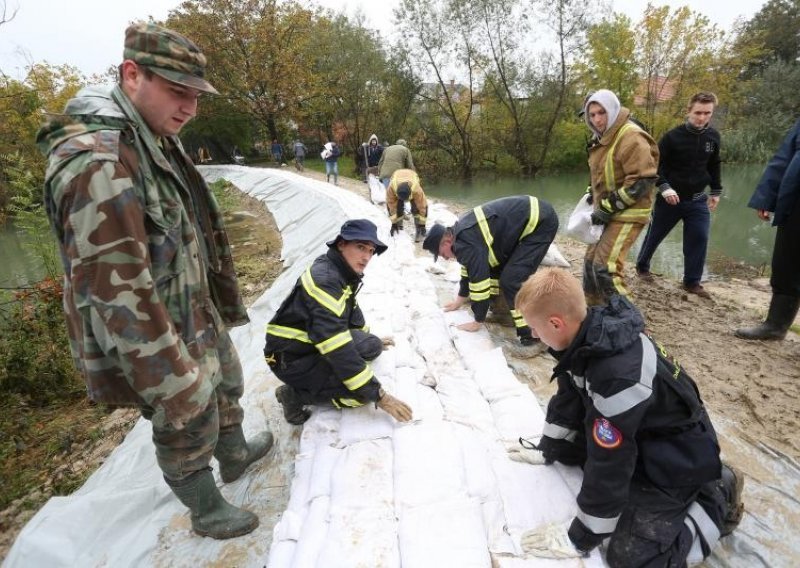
(317, 343)
(630, 415)
(499, 245)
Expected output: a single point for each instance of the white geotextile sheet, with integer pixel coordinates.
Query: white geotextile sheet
(366, 491)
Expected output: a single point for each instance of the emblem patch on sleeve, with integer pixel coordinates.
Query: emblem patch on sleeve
(605, 434)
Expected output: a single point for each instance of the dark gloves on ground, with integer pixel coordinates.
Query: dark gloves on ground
(395, 229)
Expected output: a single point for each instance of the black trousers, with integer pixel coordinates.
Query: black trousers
(657, 529)
(313, 377)
(786, 256)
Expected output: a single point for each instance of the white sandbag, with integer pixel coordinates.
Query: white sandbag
(313, 535)
(428, 466)
(377, 192)
(366, 422)
(364, 476)
(325, 460)
(579, 224)
(363, 537)
(518, 415)
(554, 257)
(444, 533)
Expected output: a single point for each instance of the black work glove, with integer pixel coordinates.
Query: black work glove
(601, 217)
(395, 229)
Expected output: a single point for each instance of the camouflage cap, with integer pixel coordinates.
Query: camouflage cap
(168, 53)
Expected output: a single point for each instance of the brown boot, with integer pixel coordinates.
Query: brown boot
(732, 486)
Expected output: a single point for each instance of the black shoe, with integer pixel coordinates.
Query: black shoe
(782, 311)
(293, 409)
(732, 486)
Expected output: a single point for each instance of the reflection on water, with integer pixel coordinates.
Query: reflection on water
(736, 232)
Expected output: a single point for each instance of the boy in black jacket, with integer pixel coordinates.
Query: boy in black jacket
(628, 413)
(689, 161)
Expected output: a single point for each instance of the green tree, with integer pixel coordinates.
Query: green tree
(610, 58)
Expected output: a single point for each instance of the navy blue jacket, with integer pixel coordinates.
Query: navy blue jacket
(633, 410)
(780, 183)
(689, 161)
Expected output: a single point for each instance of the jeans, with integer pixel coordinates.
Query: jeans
(696, 224)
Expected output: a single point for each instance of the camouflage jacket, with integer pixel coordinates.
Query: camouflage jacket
(149, 278)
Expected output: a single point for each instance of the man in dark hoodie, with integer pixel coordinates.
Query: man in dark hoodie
(317, 341)
(149, 283)
(689, 161)
(630, 415)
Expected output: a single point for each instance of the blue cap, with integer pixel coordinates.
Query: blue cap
(431, 242)
(359, 230)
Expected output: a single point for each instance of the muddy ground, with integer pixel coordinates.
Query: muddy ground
(755, 385)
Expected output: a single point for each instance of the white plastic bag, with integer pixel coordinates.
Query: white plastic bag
(579, 225)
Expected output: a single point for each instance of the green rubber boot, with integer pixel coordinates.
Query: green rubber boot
(235, 454)
(212, 515)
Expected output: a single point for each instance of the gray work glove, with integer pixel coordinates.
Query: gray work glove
(527, 452)
(394, 407)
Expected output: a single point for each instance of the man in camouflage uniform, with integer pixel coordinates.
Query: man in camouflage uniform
(149, 283)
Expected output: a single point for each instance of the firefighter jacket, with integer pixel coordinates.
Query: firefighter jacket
(484, 239)
(317, 318)
(417, 197)
(636, 411)
(623, 156)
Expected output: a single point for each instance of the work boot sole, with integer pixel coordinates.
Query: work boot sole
(226, 532)
(293, 413)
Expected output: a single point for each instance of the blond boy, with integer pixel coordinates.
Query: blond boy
(630, 415)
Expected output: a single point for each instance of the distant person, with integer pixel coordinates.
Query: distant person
(689, 161)
(631, 417)
(277, 151)
(778, 192)
(394, 158)
(374, 152)
(623, 164)
(499, 245)
(316, 343)
(361, 161)
(405, 186)
(149, 284)
(300, 151)
(330, 154)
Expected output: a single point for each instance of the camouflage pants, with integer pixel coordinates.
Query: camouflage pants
(181, 453)
(605, 260)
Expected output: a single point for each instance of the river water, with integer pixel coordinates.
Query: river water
(736, 234)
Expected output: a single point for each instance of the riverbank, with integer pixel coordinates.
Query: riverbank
(752, 386)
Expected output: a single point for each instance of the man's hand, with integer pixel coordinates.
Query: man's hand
(396, 408)
(455, 304)
(469, 326)
(527, 451)
(762, 214)
(671, 196)
(550, 541)
(713, 201)
(395, 229)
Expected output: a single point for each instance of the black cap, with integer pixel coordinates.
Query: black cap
(359, 230)
(431, 242)
(404, 191)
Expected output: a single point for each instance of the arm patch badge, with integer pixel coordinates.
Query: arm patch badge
(605, 434)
